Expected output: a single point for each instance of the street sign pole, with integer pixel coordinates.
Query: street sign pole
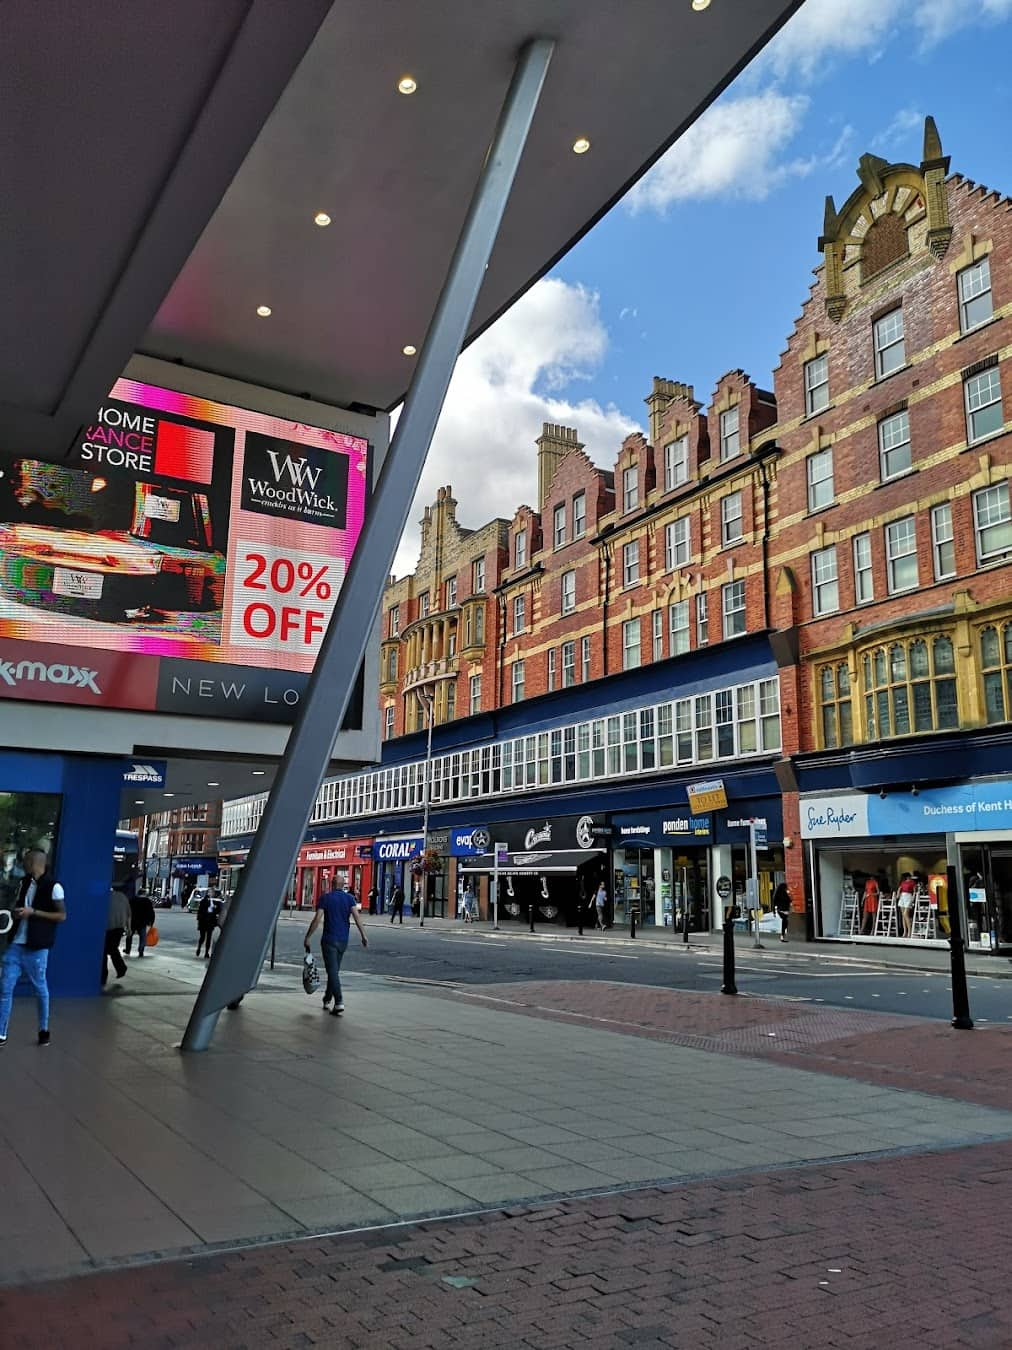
(754, 862)
(498, 850)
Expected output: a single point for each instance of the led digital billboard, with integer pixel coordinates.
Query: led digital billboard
(185, 557)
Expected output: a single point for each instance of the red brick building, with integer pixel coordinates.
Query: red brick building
(858, 515)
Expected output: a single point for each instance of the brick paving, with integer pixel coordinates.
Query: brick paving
(905, 1250)
(902, 1251)
(889, 1050)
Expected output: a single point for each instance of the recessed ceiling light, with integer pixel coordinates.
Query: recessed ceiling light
(168, 794)
(259, 773)
(321, 218)
(139, 802)
(700, 5)
(581, 145)
(409, 350)
(407, 84)
(264, 311)
(214, 785)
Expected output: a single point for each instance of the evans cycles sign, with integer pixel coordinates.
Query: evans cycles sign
(182, 533)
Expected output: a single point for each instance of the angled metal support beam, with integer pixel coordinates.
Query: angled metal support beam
(237, 959)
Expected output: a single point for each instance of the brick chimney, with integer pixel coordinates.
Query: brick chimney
(554, 444)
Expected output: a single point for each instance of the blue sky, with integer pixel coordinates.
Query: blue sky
(704, 267)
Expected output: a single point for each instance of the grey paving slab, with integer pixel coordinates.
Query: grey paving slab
(295, 1121)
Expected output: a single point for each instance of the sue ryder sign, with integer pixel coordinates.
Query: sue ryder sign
(970, 807)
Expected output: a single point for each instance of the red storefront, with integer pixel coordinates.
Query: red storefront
(328, 863)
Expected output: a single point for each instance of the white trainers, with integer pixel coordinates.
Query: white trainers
(338, 1009)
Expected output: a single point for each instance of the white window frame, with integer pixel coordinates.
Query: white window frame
(395, 621)
(423, 605)
(586, 655)
(729, 520)
(559, 526)
(630, 564)
(657, 634)
(816, 379)
(520, 548)
(519, 614)
(679, 641)
(863, 569)
(568, 665)
(730, 432)
(893, 443)
(980, 392)
(389, 714)
(943, 542)
(974, 283)
(450, 591)
(568, 591)
(630, 488)
(677, 544)
(474, 694)
(994, 501)
(733, 591)
(518, 681)
(478, 576)
(825, 581)
(901, 543)
(579, 515)
(702, 619)
(821, 484)
(889, 339)
(552, 669)
(632, 654)
(676, 463)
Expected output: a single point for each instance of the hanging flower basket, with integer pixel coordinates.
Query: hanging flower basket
(430, 863)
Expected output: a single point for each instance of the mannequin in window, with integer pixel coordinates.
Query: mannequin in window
(870, 905)
(906, 895)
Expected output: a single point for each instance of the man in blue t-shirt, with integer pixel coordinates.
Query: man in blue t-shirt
(337, 909)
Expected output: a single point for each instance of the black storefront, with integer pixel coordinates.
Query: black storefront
(553, 866)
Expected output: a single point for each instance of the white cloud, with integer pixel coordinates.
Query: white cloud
(904, 130)
(503, 389)
(824, 30)
(733, 150)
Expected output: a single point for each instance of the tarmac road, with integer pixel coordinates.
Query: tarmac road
(448, 952)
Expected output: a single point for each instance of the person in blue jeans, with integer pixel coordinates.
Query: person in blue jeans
(337, 909)
(38, 912)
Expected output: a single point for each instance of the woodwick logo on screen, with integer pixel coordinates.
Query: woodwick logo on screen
(296, 482)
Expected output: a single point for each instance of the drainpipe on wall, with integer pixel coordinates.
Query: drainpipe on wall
(604, 610)
(765, 544)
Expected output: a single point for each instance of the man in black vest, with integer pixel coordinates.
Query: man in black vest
(39, 909)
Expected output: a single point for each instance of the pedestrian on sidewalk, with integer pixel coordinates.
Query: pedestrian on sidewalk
(600, 906)
(397, 903)
(39, 909)
(142, 917)
(116, 924)
(470, 903)
(208, 916)
(337, 909)
(782, 905)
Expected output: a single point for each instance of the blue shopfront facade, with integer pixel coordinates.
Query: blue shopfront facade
(85, 794)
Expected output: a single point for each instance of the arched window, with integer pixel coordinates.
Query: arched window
(996, 663)
(910, 687)
(834, 701)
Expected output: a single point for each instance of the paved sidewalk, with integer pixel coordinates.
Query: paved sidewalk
(907, 1252)
(411, 1105)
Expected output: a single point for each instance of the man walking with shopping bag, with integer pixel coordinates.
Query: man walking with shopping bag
(337, 908)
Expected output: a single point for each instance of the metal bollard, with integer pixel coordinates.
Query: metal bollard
(632, 921)
(685, 922)
(961, 1019)
(532, 915)
(729, 986)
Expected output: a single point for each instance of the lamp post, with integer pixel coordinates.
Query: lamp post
(428, 702)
